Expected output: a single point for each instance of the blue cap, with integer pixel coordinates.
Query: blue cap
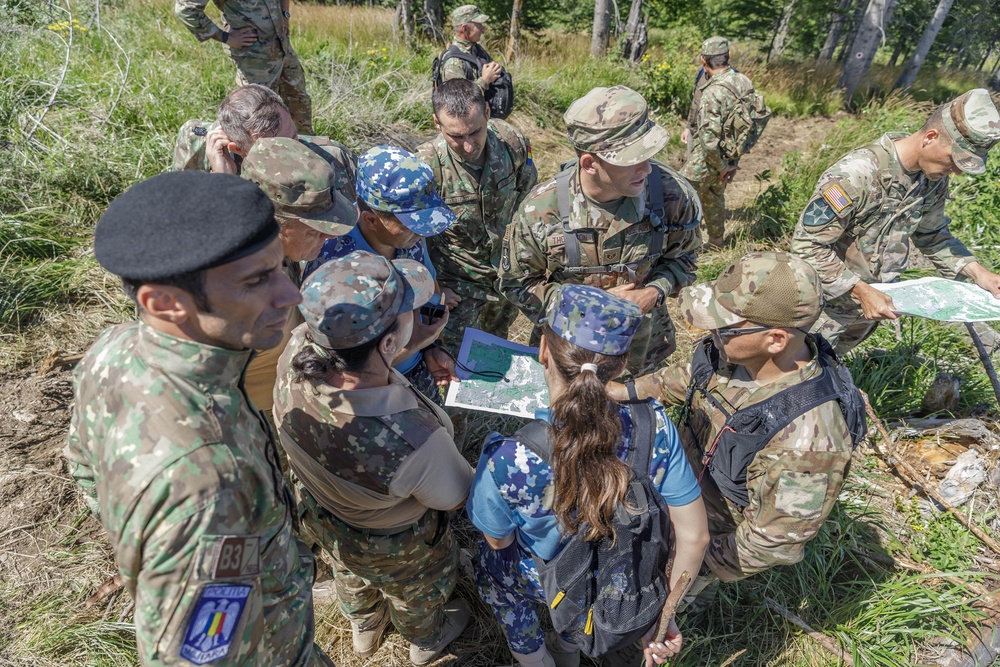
(593, 319)
(396, 181)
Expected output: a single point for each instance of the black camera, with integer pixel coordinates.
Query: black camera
(431, 312)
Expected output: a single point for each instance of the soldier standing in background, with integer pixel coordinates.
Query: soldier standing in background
(255, 34)
(467, 22)
(172, 458)
(615, 219)
(868, 207)
(483, 170)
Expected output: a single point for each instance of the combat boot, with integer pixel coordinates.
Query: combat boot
(454, 621)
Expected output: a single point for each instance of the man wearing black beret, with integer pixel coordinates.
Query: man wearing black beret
(171, 456)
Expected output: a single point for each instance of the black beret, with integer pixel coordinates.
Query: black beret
(183, 221)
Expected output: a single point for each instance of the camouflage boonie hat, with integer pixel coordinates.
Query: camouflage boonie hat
(973, 125)
(467, 14)
(352, 299)
(614, 124)
(715, 46)
(593, 319)
(300, 184)
(396, 181)
(773, 289)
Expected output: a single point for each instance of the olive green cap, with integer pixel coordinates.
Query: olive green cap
(467, 14)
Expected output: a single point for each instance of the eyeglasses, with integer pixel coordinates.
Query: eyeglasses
(729, 332)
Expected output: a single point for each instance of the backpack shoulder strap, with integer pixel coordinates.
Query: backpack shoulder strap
(654, 199)
(535, 436)
(643, 436)
(572, 244)
(455, 52)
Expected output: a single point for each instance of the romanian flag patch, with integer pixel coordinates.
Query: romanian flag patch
(211, 630)
(836, 197)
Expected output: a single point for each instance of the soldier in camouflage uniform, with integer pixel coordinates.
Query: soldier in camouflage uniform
(247, 114)
(378, 467)
(868, 207)
(175, 462)
(467, 22)
(255, 35)
(757, 312)
(707, 168)
(483, 170)
(626, 223)
(691, 126)
(309, 212)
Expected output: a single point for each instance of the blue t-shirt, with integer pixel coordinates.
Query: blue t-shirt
(353, 240)
(512, 489)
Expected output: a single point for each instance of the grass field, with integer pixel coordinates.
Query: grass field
(86, 110)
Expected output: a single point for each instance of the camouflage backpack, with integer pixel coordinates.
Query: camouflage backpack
(746, 121)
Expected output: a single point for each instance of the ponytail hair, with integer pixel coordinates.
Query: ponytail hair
(589, 478)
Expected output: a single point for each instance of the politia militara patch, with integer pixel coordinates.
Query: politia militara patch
(210, 631)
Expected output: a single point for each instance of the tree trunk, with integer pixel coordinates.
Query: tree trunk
(781, 34)
(405, 16)
(434, 20)
(995, 80)
(909, 74)
(870, 34)
(636, 39)
(514, 41)
(836, 25)
(989, 52)
(896, 53)
(602, 28)
(851, 29)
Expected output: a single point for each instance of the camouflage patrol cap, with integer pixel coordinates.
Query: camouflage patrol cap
(593, 319)
(973, 125)
(774, 289)
(396, 181)
(467, 14)
(352, 299)
(715, 46)
(300, 184)
(614, 124)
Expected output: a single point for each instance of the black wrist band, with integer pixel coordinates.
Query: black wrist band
(225, 37)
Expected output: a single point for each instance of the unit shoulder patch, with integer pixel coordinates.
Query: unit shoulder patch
(212, 626)
(818, 213)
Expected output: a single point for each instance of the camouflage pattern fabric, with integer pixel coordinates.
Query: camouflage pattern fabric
(189, 151)
(269, 61)
(467, 255)
(508, 582)
(410, 573)
(467, 14)
(456, 68)
(973, 126)
(614, 124)
(592, 319)
(858, 225)
(184, 477)
(396, 181)
(692, 118)
(715, 46)
(533, 259)
(793, 481)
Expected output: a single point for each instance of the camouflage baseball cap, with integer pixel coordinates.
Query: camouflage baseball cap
(593, 319)
(300, 184)
(396, 181)
(467, 14)
(973, 125)
(715, 46)
(352, 299)
(614, 124)
(774, 289)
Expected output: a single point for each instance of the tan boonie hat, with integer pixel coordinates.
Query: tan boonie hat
(773, 289)
(467, 14)
(614, 124)
(300, 184)
(973, 125)
(715, 46)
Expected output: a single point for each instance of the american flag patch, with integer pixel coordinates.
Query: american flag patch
(836, 197)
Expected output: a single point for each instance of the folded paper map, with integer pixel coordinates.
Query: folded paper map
(942, 299)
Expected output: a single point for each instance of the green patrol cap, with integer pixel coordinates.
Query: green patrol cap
(300, 184)
(774, 289)
(614, 124)
(715, 46)
(467, 14)
(973, 125)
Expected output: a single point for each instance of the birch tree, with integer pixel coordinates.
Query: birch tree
(601, 35)
(781, 34)
(869, 37)
(909, 74)
(636, 38)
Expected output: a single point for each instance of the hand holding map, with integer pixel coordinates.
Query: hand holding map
(942, 299)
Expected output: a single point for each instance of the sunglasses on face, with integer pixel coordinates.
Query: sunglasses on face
(729, 332)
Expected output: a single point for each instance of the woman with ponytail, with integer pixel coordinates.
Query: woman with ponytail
(528, 508)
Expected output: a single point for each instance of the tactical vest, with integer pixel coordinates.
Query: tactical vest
(747, 431)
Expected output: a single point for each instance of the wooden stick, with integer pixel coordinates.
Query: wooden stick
(984, 357)
(670, 606)
(817, 637)
(906, 470)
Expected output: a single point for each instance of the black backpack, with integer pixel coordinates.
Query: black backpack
(499, 94)
(605, 593)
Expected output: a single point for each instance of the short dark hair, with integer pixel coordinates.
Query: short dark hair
(249, 111)
(934, 122)
(717, 61)
(192, 282)
(458, 97)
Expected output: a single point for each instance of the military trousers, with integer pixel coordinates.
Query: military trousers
(712, 193)
(284, 75)
(411, 574)
(843, 324)
(481, 307)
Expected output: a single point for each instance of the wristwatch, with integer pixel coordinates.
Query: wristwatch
(660, 299)
(287, 14)
(225, 37)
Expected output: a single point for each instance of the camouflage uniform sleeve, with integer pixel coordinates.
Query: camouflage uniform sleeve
(527, 175)
(667, 385)
(80, 468)
(935, 241)
(711, 112)
(677, 266)
(192, 15)
(821, 226)
(523, 264)
(792, 483)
